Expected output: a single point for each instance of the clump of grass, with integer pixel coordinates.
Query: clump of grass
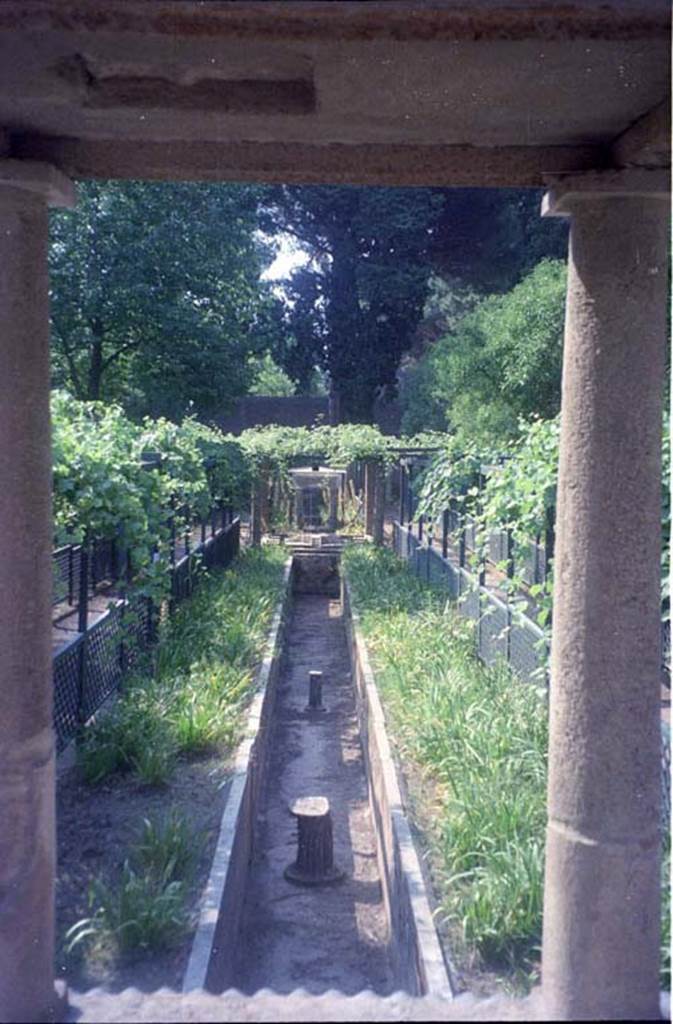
(133, 736)
(167, 848)
(146, 908)
(204, 669)
(481, 736)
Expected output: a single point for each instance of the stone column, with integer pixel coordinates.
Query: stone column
(601, 907)
(27, 794)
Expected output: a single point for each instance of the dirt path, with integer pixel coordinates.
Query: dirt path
(332, 937)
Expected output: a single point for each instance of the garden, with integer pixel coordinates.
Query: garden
(169, 538)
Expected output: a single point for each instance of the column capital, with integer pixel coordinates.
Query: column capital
(566, 191)
(38, 179)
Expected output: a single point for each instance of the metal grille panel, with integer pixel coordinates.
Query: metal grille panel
(90, 668)
(493, 625)
(103, 666)
(66, 692)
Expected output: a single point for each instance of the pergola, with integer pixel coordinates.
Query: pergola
(569, 96)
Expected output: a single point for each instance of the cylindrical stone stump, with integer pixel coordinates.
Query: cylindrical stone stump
(315, 849)
(315, 692)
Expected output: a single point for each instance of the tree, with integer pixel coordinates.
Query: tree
(354, 308)
(155, 295)
(500, 363)
(270, 378)
(489, 239)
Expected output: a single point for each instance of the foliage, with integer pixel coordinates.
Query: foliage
(479, 737)
(489, 239)
(167, 847)
(275, 448)
(155, 295)
(352, 442)
(353, 309)
(518, 494)
(204, 668)
(146, 908)
(270, 378)
(105, 488)
(500, 363)
(451, 477)
(447, 303)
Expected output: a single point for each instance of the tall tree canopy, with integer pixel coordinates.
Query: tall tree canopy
(353, 310)
(499, 363)
(488, 239)
(156, 299)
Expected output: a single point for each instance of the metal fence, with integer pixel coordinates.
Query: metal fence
(501, 634)
(90, 667)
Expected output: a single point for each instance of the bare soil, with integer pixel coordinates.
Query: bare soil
(96, 826)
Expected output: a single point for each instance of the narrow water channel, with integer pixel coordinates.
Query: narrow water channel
(325, 938)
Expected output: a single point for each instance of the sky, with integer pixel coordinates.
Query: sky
(289, 257)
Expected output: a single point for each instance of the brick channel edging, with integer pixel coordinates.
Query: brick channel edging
(417, 958)
(211, 958)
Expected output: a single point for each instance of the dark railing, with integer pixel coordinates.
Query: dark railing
(90, 666)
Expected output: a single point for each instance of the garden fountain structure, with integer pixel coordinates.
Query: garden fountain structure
(317, 491)
(380, 94)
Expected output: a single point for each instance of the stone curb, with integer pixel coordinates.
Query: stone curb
(434, 974)
(245, 782)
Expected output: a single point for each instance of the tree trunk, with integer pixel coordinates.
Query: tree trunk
(95, 366)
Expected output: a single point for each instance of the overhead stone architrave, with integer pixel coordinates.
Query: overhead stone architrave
(41, 179)
(565, 190)
(347, 20)
(474, 93)
(647, 142)
(299, 163)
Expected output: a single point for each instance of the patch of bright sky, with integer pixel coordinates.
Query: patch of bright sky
(288, 258)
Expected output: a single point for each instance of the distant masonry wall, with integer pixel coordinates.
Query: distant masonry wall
(297, 411)
(260, 410)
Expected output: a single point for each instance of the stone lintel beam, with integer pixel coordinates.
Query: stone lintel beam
(27, 796)
(600, 949)
(302, 163)
(567, 190)
(41, 179)
(647, 142)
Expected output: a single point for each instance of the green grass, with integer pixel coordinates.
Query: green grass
(479, 736)
(205, 664)
(145, 909)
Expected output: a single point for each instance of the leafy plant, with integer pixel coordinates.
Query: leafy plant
(203, 673)
(142, 912)
(168, 848)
